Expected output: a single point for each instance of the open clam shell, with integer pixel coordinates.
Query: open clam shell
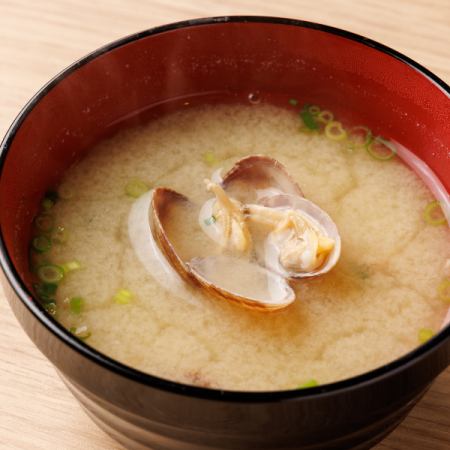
(243, 282)
(314, 214)
(226, 277)
(258, 176)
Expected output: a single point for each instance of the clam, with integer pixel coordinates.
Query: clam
(262, 234)
(219, 274)
(299, 240)
(257, 176)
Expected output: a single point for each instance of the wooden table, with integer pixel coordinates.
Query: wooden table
(39, 38)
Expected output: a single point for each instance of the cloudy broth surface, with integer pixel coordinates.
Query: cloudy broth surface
(387, 291)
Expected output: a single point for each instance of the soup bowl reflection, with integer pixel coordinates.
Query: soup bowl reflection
(144, 75)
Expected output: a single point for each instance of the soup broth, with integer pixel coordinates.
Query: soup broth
(381, 300)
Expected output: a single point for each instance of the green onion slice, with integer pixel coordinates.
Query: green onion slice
(50, 307)
(76, 304)
(308, 384)
(359, 137)
(335, 131)
(308, 119)
(123, 297)
(210, 220)
(314, 110)
(44, 222)
(41, 244)
(135, 188)
(81, 332)
(209, 158)
(381, 149)
(433, 214)
(70, 266)
(325, 116)
(293, 102)
(60, 235)
(425, 334)
(47, 204)
(50, 273)
(444, 290)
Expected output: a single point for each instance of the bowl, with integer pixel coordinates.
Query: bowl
(206, 60)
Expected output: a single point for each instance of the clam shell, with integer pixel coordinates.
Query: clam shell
(319, 217)
(162, 200)
(207, 272)
(260, 176)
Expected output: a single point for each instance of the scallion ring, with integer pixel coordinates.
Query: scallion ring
(308, 384)
(41, 244)
(209, 158)
(123, 297)
(314, 110)
(381, 149)
(335, 131)
(358, 137)
(50, 273)
(325, 116)
(50, 307)
(433, 214)
(70, 266)
(425, 334)
(44, 223)
(293, 102)
(76, 304)
(135, 188)
(308, 119)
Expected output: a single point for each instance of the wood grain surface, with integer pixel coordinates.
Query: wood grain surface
(38, 38)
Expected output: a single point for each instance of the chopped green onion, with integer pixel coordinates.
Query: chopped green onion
(70, 266)
(60, 235)
(433, 214)
(209, 158)
(81, 332)
(123, 297)
(381, 149)
(335, 131)
(325, 116)
(359, 137)
(47, 204)
(293, 102)
(50, 273)
(444, 291)
(50, 198)
(314, 110)
(210, 220)
(41, 244)
(50, 307)
(76, 304)
(44, 222)
(425, 334)
(45, 291)
(135, 188)
(308, 119)
(65, 192)
(308, 384)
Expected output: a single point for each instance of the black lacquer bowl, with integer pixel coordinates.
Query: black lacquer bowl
(152, 72)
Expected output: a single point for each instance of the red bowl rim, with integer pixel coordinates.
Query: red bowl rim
(85, 350)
